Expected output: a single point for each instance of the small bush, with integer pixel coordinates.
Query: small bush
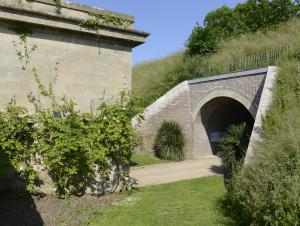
(233, 148)
(16, 141)
(268, 191)
(170, 141)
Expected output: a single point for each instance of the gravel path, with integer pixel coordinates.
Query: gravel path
(171, 172)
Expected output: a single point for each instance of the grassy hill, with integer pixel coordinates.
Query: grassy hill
(154, 71)
(151, 80)
(266, 192)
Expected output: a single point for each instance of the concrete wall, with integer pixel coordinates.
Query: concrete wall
(265, 102)
(92, 64)
(85, 70)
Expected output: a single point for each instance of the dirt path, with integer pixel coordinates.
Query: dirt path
(171, 172)
(23, 209)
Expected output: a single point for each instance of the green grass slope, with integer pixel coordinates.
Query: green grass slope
(151, 80)
(154, 71)
(266, 192)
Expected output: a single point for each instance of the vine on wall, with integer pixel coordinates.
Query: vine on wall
(23, 50)
(98, 17)
(58, 6)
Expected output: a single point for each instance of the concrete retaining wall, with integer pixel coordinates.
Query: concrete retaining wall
(91, 64)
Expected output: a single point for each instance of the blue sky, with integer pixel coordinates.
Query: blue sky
(170, 22)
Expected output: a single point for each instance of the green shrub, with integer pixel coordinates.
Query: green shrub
(16, 141)
(266, 192)
(233, 147)
(73, 146)
(169, 142)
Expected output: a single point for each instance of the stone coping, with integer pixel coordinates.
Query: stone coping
(43, 13)
(85, 8)
(230, 75)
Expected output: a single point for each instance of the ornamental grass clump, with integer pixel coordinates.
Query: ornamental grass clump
(232, 149)
(170, 141)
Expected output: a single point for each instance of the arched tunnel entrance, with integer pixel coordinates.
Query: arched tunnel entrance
(216, 116)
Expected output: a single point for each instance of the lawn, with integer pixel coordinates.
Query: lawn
(185, 203)
(146, 159)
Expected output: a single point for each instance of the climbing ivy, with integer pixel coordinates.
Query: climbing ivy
(23, 50)
(98, 17)
(58, 6)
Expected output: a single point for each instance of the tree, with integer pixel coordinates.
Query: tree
(223, 22)
(202, 41)
(218, 26)
(260, 14)
(283, 10)
(251, 16)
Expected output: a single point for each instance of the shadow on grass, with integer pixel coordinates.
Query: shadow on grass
(17, 207)
(133, 163)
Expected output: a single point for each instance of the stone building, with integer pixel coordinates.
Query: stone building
(90, 49)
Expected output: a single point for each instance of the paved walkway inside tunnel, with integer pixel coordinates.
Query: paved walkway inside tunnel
(176, 171)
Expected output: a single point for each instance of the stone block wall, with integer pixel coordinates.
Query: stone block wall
(86, 72)
(92, 65)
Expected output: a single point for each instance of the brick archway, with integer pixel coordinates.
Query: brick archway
(225, 93)
(251, 89)
(214, 113)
